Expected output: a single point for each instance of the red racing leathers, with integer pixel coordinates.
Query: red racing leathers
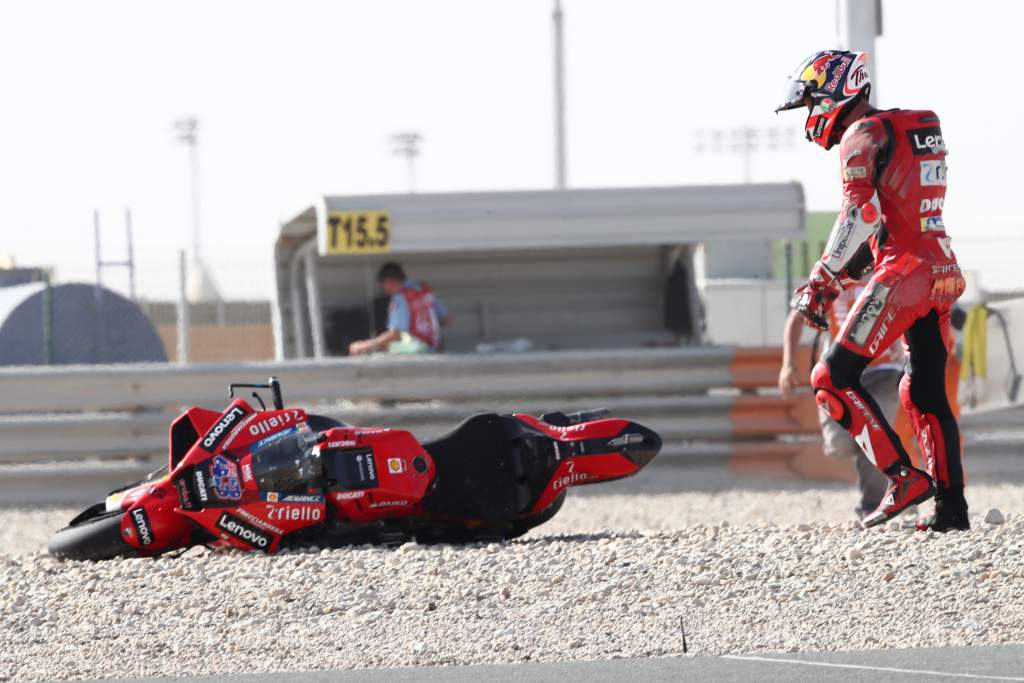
(894, 186)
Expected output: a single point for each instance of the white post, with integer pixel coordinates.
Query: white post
(859, 22)
(298, 324)
(316, 318)
(560, 174)
(183, 320)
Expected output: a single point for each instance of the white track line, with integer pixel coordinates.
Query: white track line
(916, 672)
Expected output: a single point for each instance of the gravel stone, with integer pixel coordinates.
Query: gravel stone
(610, 576)
(994, 516)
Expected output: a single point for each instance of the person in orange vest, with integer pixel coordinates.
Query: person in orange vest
(881, 379)
(415, 316)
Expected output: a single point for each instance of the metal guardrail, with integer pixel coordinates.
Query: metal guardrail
(694, 398)
(410, 378)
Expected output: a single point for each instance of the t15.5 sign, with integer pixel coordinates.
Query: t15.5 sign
(358, 232)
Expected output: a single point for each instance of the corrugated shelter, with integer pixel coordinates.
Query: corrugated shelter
(563, 268)
(73, 323)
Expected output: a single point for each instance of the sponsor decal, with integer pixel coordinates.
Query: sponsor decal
(273, 437)
(367, 468)
(867, 314)
(929, 204)
(948, 268)
(569, 480)
(308, 498)
(347, 443)
(184, 494)
(926, 141)
(224, 474)
(295, 498)
(932, 223)
(948, 288)
(261, 523)
(864, 441)
(354, 470)
(933, 172)
(285, 418)
(141, 523)
(837, 73)
(842, 239)
(294, 513)
(396, 465)
(883, 327)
(819, 127)
(201, 485)
(243, 531)
(247, 471)
(222, 428)
(238, 430)
(858, 76)
(854, 172)
(868, 416)
(388, 503)
(571, 477)
(349, 495)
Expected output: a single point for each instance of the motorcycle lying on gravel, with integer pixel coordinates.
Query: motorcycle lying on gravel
(266, 479)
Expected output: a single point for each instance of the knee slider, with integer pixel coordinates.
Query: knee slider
(825, 392)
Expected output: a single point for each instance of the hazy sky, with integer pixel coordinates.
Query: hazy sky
(298, 98)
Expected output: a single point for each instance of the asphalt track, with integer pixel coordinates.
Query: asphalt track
(995, 663)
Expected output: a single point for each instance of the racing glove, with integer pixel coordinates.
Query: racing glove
(813, 299)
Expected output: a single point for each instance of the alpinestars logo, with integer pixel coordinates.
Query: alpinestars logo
(243, 531)
(222, 428)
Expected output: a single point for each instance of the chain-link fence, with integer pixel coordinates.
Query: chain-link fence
(217, 331)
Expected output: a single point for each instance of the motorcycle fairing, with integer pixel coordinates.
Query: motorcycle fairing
(185, 432)
(374, 474)
(593, 452)
(498, 468)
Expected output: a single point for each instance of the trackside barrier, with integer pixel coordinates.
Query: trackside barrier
(707, 403)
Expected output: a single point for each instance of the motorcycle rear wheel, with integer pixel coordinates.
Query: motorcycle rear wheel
(94, 536)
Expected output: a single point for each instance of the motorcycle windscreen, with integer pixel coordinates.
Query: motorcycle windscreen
(289, 464)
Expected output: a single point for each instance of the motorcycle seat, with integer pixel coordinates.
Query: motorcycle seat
(491, 467)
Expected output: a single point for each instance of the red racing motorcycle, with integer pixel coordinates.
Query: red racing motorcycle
(266, 479)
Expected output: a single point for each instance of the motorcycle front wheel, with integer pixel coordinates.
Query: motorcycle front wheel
(93, 535)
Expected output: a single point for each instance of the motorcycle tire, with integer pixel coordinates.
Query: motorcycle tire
(96, 537)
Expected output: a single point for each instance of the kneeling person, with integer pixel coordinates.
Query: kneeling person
(415, 316)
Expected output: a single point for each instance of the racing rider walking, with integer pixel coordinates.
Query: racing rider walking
(894, 185)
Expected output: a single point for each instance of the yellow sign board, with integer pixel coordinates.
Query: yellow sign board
(358, 232)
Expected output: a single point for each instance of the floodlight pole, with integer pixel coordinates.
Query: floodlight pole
(560, 173)
(187, 134)
(858, 23)
(407, 144)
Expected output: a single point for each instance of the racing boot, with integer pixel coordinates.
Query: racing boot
(909, 487)
(950, 512)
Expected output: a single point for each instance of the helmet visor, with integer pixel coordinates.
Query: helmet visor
(796, 92)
